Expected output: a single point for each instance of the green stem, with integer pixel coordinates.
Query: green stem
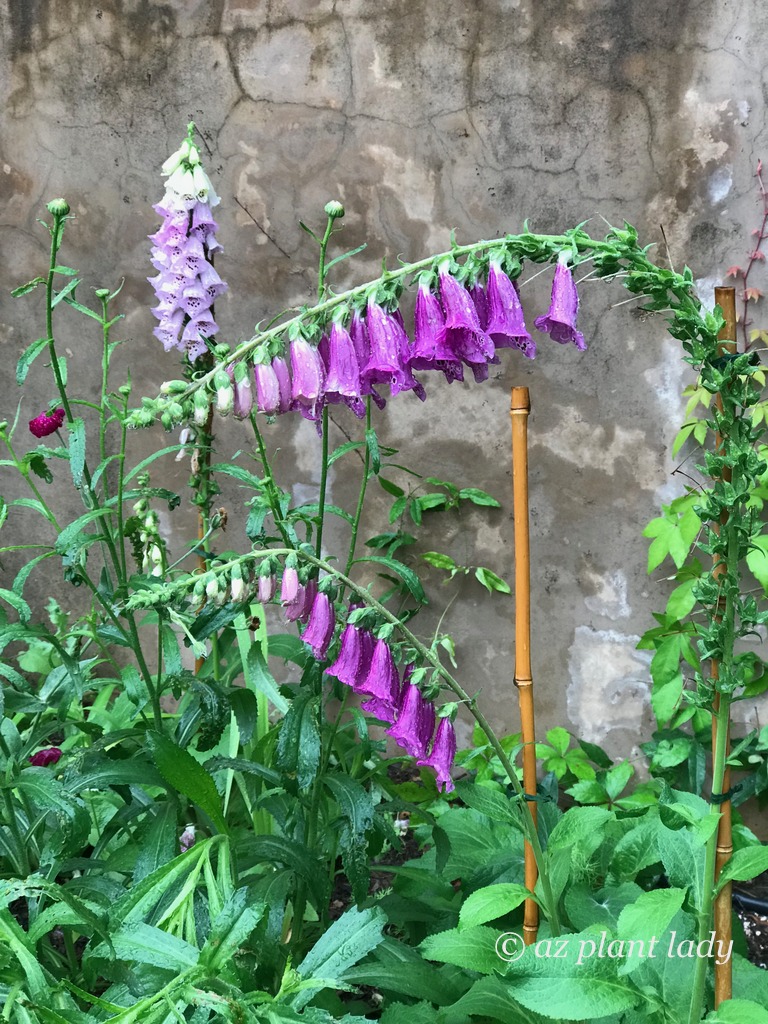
(269, 482)
(323, 486)
(361, 495)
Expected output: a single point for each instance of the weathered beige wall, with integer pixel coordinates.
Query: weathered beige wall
(421, 116)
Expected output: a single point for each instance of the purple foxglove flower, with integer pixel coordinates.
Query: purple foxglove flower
(388, 361)
(381, 679)
(47, 423)
(505, 314)
(45, 757)
(430, 350)
(243, 397)
(187, 284)
(293, 610)
(284, 386)
(310, 593)
(267, 389)
(560, 321)
(462, 332)
(479, 297)
(415, 723)
(441, 756)
(348, 665)
(267, 587)
(378, 708)
(308, 376)
(290, 586)
(342, 382)
(319, 629)
(358, 332)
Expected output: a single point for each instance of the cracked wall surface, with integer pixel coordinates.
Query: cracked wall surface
(422, 117)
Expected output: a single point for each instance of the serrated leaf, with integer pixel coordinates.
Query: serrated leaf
(298, 746)
(187, 776)
(745, 864)
(408, 576)
(260, 679)
(738, 1011)
(372, 443)
(77, 450)
(491, 903)
(27, 357)
(473, 949)
(343, 945)
(233, 925)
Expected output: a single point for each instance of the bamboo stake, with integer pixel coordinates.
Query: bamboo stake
(725, 298)
(520, 408)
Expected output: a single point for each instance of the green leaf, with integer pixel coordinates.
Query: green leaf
(356, 808)
(372, 443)
(637, 849)
(159, 843)
(28, 287)
(491, 581)
(682, 854)
(757, 560)
(258, 677)
(439, 561)
(348, 446)
(77, 450)
(408, 576)
(70, 534)
(78, 306)
(478, 497)
(745, 864)
(27, 357)
(559, 738)
(298, 747)
(738, 1011)
(647, 918)
(490, 903)
(492, 804)
(238, 473)
(19, 605)
(186, 775)
(491, 999)
(67, 271)
(237, 919)
(344, 944)
(473, 949)
(390, 488)
(142, 943)
(667, 677)
(682, 601)
(65, 291)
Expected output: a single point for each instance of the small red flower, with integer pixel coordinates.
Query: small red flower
(45, 757)
(45, 423)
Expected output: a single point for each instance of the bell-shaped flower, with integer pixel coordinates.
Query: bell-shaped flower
(267, 587)
(430, 350)
(479, 298)
(389, 352)
(441, 756)
(310, 593)
(319, 631)
(243, 398)
(308, 378)
(381, 680)
(284, 387)
(342, 381)
(358, 332)
(462, 332)
(415, 722)
(290, 586)
(378, 708)
(560, 322)
(348, 664)
(267, 389)
(294, 610)
(505, 322)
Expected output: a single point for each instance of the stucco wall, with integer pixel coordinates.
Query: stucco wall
(421, 117)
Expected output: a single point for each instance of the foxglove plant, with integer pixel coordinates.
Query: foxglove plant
(186, 284)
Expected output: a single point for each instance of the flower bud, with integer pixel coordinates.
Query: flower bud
(167, 420)
(211, 586)
(202, 406)
(102, 293)
(237, 585)
(58, 207)
(334, 210)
